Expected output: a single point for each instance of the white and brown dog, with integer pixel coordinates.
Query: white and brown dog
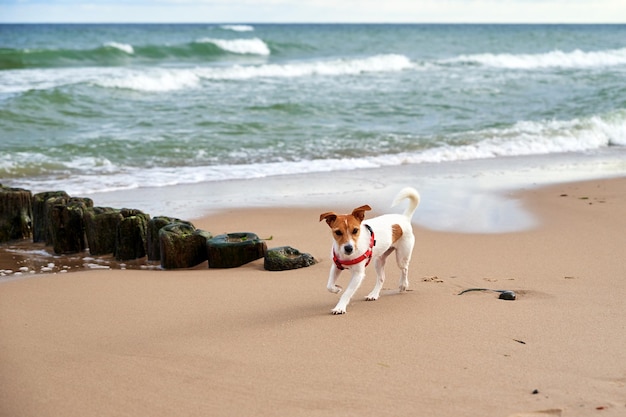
(356, 242)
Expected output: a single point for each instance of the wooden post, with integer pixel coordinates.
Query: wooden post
(182, 245)
(15, 213)
(67, 224)
(101, 229)
(153, 241)
(130, 242)
(41, 230)
(234, 249)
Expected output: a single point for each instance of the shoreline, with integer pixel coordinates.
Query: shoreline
(468, 197)
(448, 190)
(249, 341)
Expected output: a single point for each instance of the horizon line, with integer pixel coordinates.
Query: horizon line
(300, 23)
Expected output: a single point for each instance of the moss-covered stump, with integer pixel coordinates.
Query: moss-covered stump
(15, 213)
(41, 228)
(101, 229)
(49, 208)
(182, 245)
(234, 249)
(67, 227)
(130, 240)
(153, 240)
(286, 257)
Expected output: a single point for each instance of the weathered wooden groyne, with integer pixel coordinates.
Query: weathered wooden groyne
(72, 225)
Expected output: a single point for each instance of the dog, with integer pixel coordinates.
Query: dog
(357, 242)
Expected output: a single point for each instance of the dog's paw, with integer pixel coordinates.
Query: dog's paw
(337, 310)
(371, 298)
(335, 290)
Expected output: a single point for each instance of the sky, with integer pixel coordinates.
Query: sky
(313, 11)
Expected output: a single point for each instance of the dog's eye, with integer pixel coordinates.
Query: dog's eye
(355, 231)
(338, 232)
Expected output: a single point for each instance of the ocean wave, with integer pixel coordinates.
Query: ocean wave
(124, 47)
(532, 138)
(162, 80)
(85, 175)
(554, 59)
(121, 54)
(37, 164)
(108, 54)
(145, 80)
(150, 80)
(377, 63)
(253, 46)
(238, 28)
(172, 79)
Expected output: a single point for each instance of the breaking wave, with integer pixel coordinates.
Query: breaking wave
(120, 54)
(171, 79)
(238, 28)
(254, 46)
(87, 175)
(124, 47)
(554, 59)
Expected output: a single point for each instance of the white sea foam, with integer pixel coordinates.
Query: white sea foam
(18, 81)
(554, 59)
(254, 46)
(35, 252)
(124, 47)
(96, 266)
(523, 138)
(530, 138)
(172, 79)
(97, 164)
(238, 28)
(150, 80)
(377, 63)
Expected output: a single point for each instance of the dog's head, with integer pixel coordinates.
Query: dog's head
(346, 228)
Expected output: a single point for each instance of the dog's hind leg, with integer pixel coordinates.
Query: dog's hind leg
(379, 265)
(403, 257)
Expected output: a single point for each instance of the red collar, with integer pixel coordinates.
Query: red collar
(367, 255)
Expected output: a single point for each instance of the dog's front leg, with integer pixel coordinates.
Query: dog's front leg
(332, 279)
(357, 277)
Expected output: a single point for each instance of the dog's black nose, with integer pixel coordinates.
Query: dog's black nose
(348, 249)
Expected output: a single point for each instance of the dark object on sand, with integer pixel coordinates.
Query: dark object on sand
(130, 241)
(15, 213)
(154, 225)
(234, 249)
(182, 245)
(285, 257)
(101, 229)
(41, 228)
(66, 224)
(507, 295)
(504, 294)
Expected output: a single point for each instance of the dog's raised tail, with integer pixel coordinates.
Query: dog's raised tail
(410, 194)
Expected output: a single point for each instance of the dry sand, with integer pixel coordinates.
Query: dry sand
(247, 342)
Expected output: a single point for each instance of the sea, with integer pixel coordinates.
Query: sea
(93, 108)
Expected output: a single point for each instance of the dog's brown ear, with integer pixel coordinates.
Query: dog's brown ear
(359, 212)
(330, 217)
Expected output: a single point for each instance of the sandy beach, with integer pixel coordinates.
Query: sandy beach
(248, 342)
